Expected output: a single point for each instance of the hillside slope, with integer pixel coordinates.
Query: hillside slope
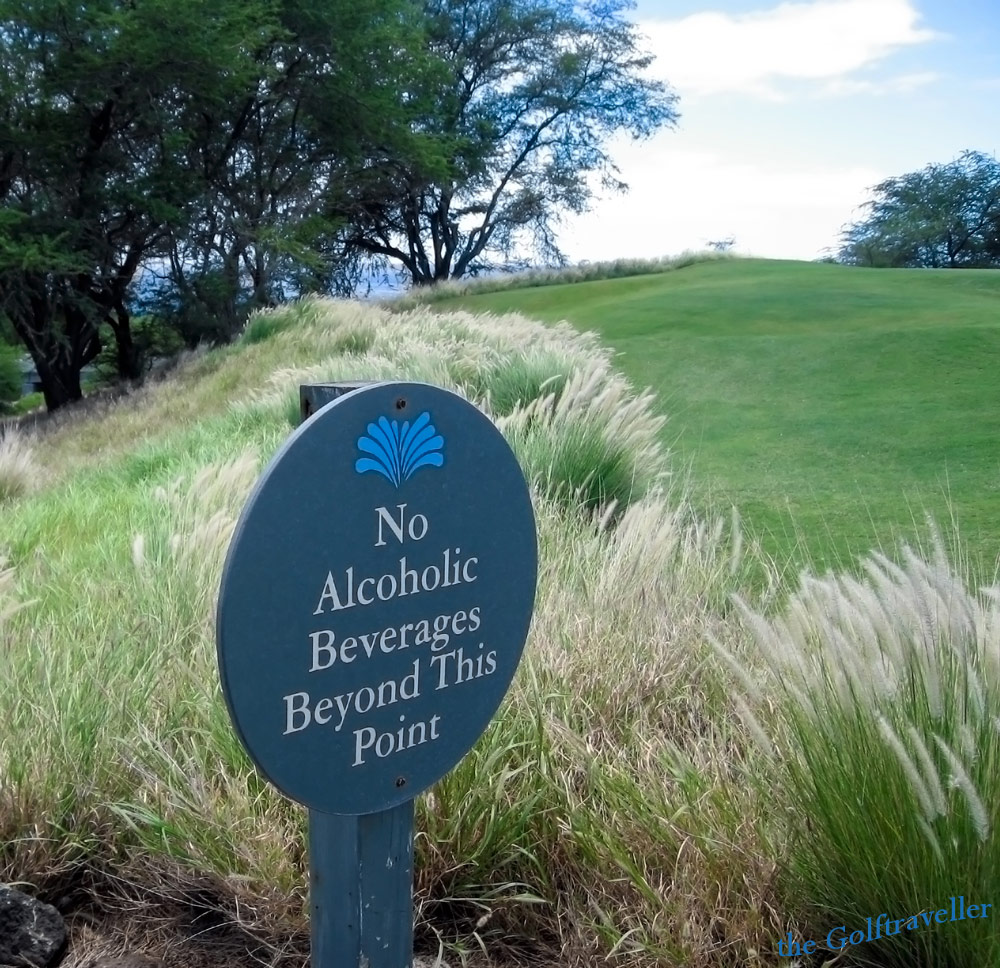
(675, 779)
(833, 406)
(121, 778)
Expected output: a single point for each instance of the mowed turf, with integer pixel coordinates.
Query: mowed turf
(834, 406)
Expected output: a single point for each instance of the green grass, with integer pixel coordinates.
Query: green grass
(833, 406)
(674, 780)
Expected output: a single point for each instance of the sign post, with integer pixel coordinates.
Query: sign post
(374, 606)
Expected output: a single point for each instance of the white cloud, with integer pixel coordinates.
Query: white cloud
(824, 40)
(903, 84)
(682, 199)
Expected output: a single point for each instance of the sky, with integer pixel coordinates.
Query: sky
(789, 114)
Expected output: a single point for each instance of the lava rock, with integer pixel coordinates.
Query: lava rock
(32, 933)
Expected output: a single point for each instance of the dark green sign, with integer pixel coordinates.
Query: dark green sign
(376, 597)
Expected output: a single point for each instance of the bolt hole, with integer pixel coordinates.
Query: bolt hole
(400, 781)
(400, 404)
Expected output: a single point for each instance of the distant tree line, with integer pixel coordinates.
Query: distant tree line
(189, 161)
(945, 216)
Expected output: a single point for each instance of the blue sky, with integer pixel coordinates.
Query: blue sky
(789, 113)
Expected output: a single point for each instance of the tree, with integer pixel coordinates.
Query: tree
(10, 375)
(532, 92)
(204, 142)
(95, 100)
(339, 95)
(943, 216)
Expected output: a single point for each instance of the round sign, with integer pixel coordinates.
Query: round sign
(376, 597)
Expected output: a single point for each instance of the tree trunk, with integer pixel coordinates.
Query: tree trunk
(59, 353)
(56, 358)
(127, 359)
(127, 355)
(60, 381)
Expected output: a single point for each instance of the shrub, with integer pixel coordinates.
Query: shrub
(27, 403)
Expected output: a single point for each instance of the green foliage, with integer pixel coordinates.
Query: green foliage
(943, 216)
(154, 339)
(10, 375)
(234, 157)
(270, 226)
(27, 403)
(98, 103)
(7, 334)
(195, 141)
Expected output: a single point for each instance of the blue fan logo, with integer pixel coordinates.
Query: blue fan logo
(397, 453)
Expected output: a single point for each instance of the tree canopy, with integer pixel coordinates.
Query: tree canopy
(532, 91)
(192, 160)
(943, 216)
(94, 102)
(328, 113)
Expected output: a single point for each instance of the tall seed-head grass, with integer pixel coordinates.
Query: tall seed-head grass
(595, 444)
(610, 757)
(887, 691)
(584, 272)
(515, 380)
(580, 430)
(194, 532)
(10, 599)
(20, 471)
(605, 810)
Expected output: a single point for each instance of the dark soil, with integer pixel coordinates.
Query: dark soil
(201, 923)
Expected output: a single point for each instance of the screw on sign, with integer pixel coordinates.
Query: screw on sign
(374, 606)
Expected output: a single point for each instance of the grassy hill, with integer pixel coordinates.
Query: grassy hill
(120, 774)
(833, 406)
(680, 775)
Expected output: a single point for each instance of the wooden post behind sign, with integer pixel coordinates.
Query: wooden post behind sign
(360, 868)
